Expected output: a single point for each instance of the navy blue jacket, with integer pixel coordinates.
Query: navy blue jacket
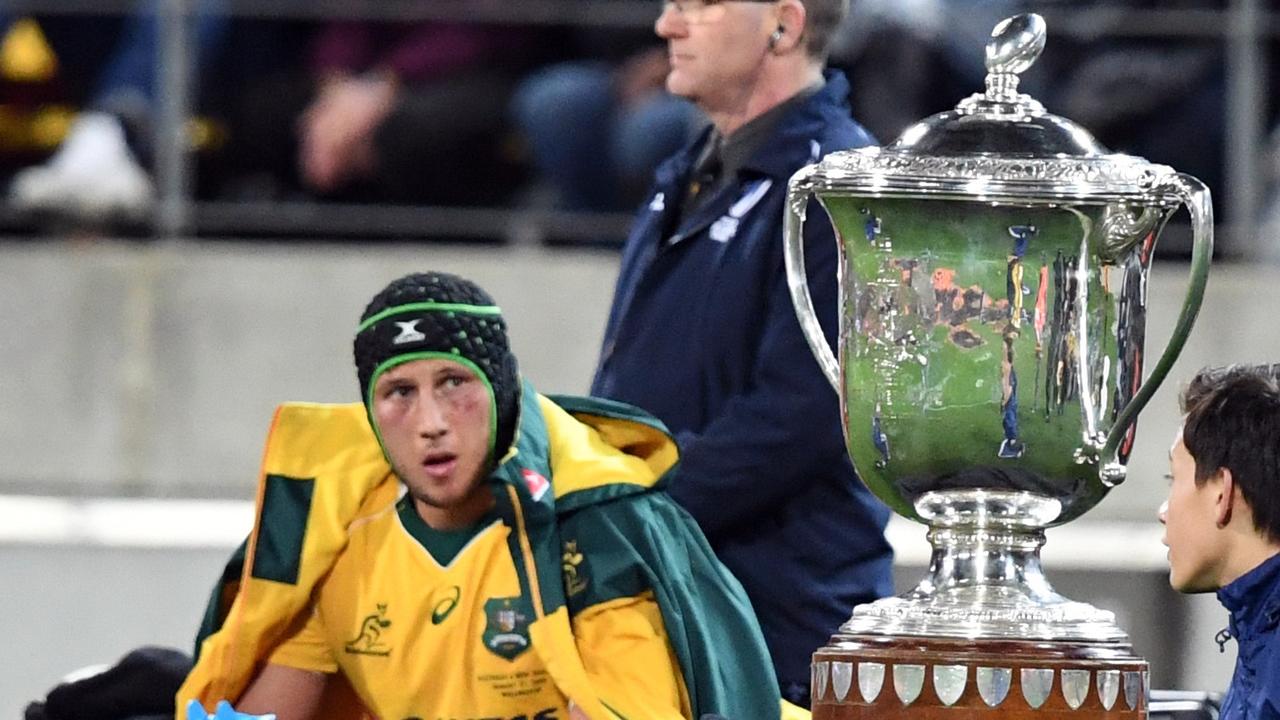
(1254, 602)
(703, 335)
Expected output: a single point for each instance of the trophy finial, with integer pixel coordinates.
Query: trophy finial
(1015, 45)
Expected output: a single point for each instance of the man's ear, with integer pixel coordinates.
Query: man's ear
(1224, 501)
(791, 25)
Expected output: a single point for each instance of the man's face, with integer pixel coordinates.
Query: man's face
(716, 50)
(434, 418)
(1190, 522)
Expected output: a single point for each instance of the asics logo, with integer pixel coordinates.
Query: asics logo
(446, 604)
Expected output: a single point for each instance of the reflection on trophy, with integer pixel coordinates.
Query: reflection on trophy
(993, 293)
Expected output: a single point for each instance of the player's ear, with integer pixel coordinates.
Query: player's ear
(1225, 497)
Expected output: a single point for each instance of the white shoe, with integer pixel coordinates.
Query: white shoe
(93, 175)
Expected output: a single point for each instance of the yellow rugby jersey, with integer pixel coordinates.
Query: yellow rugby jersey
(633, 617)
(420, 639)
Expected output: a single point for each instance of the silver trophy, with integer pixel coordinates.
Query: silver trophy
(993, 286)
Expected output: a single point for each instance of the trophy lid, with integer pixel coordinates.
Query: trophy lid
(997, 145)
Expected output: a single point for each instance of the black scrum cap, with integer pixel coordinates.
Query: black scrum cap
(438, 315)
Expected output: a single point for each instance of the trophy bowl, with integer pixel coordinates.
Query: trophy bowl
(993, 285)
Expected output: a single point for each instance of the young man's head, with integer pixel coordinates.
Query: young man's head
(441, 388)
(740, 57)
(1222, 517)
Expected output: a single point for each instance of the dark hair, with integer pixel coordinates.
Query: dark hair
(1233, 422)
(822, 19)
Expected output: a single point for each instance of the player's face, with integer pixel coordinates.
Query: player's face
(716, 49)
(1190, 522)
(434, 418)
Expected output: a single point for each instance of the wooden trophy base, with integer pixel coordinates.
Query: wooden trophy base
(926, 678)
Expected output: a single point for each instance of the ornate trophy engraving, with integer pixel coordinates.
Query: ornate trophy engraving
(991, 339)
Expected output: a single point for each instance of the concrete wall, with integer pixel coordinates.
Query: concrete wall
(152, 370)
(155, 369)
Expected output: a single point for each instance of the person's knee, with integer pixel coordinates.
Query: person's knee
(577, 91)
(651, 132)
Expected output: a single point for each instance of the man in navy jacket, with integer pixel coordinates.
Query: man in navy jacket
(702, 332)
(1222, 521)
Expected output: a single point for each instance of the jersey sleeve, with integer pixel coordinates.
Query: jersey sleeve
(305, 647)
(624, 648)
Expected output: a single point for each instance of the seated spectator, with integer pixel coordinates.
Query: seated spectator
(398, 112)
(599, 125)
(99, 169)
(460, 546)
(597, 132)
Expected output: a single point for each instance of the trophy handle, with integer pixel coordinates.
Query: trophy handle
(799, 189)
(1195, 196)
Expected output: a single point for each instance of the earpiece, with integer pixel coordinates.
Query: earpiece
(776, 37)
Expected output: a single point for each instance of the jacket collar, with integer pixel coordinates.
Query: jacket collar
(1253, 599)
(794, 144)
(789, 149)
(737, 149)
(672, 171)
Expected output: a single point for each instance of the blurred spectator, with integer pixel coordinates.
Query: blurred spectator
(98, 170)
(407, 112)
(894, 54)
(1160, 98)
(598, 131)
(597, 128)
(1269, 231)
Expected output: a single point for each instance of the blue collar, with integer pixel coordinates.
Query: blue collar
(1253, 599)
(789, 149)
(791, 146)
